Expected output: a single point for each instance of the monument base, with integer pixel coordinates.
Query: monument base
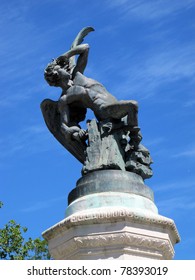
(112, 233)
(112, 215)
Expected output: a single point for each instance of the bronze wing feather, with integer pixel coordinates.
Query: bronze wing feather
(52, 119)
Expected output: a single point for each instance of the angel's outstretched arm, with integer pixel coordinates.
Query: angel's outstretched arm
(81, 61)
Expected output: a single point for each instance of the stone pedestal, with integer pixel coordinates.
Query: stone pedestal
(112, 215)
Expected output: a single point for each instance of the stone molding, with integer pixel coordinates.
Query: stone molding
(154, 248)
(102, 216)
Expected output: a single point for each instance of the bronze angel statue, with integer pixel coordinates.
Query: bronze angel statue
(80, 93)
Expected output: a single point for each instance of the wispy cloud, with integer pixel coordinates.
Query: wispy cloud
(143, 73)
(173, 197)
(176, 204)
(23, 49)
(149, 10)
(39, 205)
(30, 140)
(173, 63)
(177, 185)
(190, 153)
(22, 94)
(145, 77)
(189, 103)
(154, 141)
(168, 59)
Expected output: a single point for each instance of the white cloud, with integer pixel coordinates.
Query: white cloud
(190, 153)
(39, 205)
(154, 141)
(190, 103)
(176, 204)
(30, 140)
(174, 186)
(173, 197)
(173, 63)
(159, 67)
(151, 9)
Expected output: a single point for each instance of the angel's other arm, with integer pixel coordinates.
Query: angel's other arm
(81, 50)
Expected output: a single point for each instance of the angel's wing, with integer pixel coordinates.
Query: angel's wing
(80, 36)
(52, 119)
(77, 41)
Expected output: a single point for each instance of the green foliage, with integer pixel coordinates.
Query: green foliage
(13, 245)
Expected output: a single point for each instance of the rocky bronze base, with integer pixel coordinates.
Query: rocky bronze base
(105, 188)
(110, 181)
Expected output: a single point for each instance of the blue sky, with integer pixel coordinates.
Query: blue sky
(142, 50)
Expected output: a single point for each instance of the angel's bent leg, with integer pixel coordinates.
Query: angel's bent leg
(120, 109)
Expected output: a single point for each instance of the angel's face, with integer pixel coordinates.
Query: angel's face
(57, 76)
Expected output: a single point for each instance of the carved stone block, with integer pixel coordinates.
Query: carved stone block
(112, 233)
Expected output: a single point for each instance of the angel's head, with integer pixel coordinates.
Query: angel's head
(56, 75)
